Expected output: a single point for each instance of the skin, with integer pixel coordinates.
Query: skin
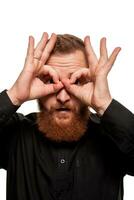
(87, 82)
(64, 66)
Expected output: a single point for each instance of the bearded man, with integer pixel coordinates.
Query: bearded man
(65, 151)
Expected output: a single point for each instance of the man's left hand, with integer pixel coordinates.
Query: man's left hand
(90, 85)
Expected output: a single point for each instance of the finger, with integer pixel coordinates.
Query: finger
(48, 49)
(40, 46)
(54, 76)
(112, 58)
(44, 90)
(30, 53)
(92, 58)
(47, 70)
(67, 83)
(103, 52)
(71, 88)
(30, 50)
(78, 74)
(53, 88)
(58, 86)
(75, 76)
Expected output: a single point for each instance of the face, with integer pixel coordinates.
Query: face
(63, 108)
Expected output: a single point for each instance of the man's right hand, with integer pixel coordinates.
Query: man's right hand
(30, 84)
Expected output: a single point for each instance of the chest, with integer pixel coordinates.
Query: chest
(49, 169)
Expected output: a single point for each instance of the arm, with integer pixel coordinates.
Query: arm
(118, 123)
(9, 121)
(7, 108)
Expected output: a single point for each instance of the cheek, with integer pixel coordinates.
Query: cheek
(48, 102)
(76, 103)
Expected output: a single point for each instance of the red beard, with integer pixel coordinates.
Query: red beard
(61, 130)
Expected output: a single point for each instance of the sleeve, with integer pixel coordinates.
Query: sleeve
(8, 125)
(118, 124)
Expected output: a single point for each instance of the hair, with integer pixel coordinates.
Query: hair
(67, 43)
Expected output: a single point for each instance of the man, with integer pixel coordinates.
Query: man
(65, 151)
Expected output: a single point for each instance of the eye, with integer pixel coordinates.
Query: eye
(46, 79)
(81, 81)
(77, 82)
(49, 81)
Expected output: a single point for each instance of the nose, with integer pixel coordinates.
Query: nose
(63, 96)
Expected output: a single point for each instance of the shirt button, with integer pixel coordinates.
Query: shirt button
(62, 161)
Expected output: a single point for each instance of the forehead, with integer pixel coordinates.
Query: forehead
(66, 64)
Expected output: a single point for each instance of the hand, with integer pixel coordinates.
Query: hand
(90, 85)
(29, 84)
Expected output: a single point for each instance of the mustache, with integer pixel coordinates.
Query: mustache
(57, 106)
(65, 106)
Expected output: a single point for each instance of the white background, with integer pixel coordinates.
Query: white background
(110, 18)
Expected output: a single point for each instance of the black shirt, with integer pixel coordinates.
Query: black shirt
(89, 169)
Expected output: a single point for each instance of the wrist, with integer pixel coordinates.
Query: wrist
(13, 97)
(101, 109)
